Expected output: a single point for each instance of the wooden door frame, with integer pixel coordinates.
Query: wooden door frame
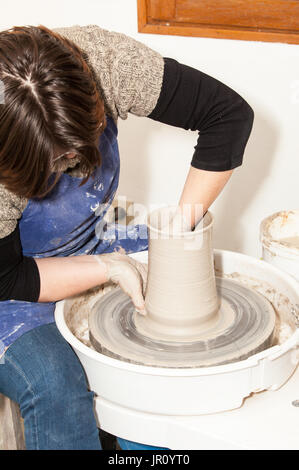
(167, 25)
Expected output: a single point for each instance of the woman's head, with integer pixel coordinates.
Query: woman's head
(50, 106)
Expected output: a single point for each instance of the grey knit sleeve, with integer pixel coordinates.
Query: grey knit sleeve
(11, 209)
(128, 73)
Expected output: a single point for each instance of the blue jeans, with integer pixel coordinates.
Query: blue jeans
(42, 373)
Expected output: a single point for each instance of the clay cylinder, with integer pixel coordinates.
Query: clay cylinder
(181, 298)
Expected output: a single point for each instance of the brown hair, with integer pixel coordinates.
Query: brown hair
(50, 102)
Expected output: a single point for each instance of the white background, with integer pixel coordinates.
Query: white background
(155, 158)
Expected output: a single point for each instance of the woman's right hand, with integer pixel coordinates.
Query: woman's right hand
(129, 274)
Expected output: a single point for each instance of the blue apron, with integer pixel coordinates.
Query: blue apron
(69, 222)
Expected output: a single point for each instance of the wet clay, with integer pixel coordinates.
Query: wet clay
(181, 298)
(292, 242)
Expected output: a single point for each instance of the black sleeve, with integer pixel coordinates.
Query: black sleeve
(190, 99)
(19, 275)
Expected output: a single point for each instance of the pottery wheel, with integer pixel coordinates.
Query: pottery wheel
(245, 326)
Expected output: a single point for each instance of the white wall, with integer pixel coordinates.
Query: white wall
(155, 158)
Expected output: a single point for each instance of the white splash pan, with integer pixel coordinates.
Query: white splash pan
(195, 391)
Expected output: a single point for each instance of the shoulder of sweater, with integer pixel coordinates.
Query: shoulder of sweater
(128, 73)
(92, 35)
(11, 209)
(82, 35)
(8, 198)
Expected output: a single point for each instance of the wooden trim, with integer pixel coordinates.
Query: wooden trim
(141, 14)
(256, 14)
(161, 10)
(146, 24)
(11, 425)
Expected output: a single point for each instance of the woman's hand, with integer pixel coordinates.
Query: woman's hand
(129, 274)
(63, 277)
(201, 189)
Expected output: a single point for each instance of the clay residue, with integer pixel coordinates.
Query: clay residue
(291, 242)
(80, 306)
(281, 229)
(287, 314)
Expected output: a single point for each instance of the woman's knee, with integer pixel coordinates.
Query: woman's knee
(52, 392)
(48, 365)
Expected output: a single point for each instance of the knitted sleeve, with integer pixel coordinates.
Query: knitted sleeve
(128, 73)
(11, 209)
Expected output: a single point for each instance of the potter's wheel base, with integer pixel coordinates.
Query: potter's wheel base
(113, 331)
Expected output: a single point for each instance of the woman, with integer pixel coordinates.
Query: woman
(59, 167)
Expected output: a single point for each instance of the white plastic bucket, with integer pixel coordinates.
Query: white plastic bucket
(279, 235)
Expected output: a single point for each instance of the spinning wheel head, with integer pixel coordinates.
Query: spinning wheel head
(243, 326)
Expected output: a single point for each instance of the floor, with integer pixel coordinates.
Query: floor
(108, 441)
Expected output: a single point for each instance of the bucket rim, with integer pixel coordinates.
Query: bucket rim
(268, 241)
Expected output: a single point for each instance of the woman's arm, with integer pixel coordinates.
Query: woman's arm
(201, 187)
(64, 277)
(19, 276)
(46, 279)
(191, 99)
(53, 279)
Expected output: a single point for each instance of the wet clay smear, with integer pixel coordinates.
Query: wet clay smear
(286, 321)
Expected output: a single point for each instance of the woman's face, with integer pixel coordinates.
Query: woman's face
(59, 157)
(66, 155)
(70, 155)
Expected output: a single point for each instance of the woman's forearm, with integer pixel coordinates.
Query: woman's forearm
(202, 187)
(64, 277)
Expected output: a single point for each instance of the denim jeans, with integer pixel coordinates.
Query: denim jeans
(41, 372)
